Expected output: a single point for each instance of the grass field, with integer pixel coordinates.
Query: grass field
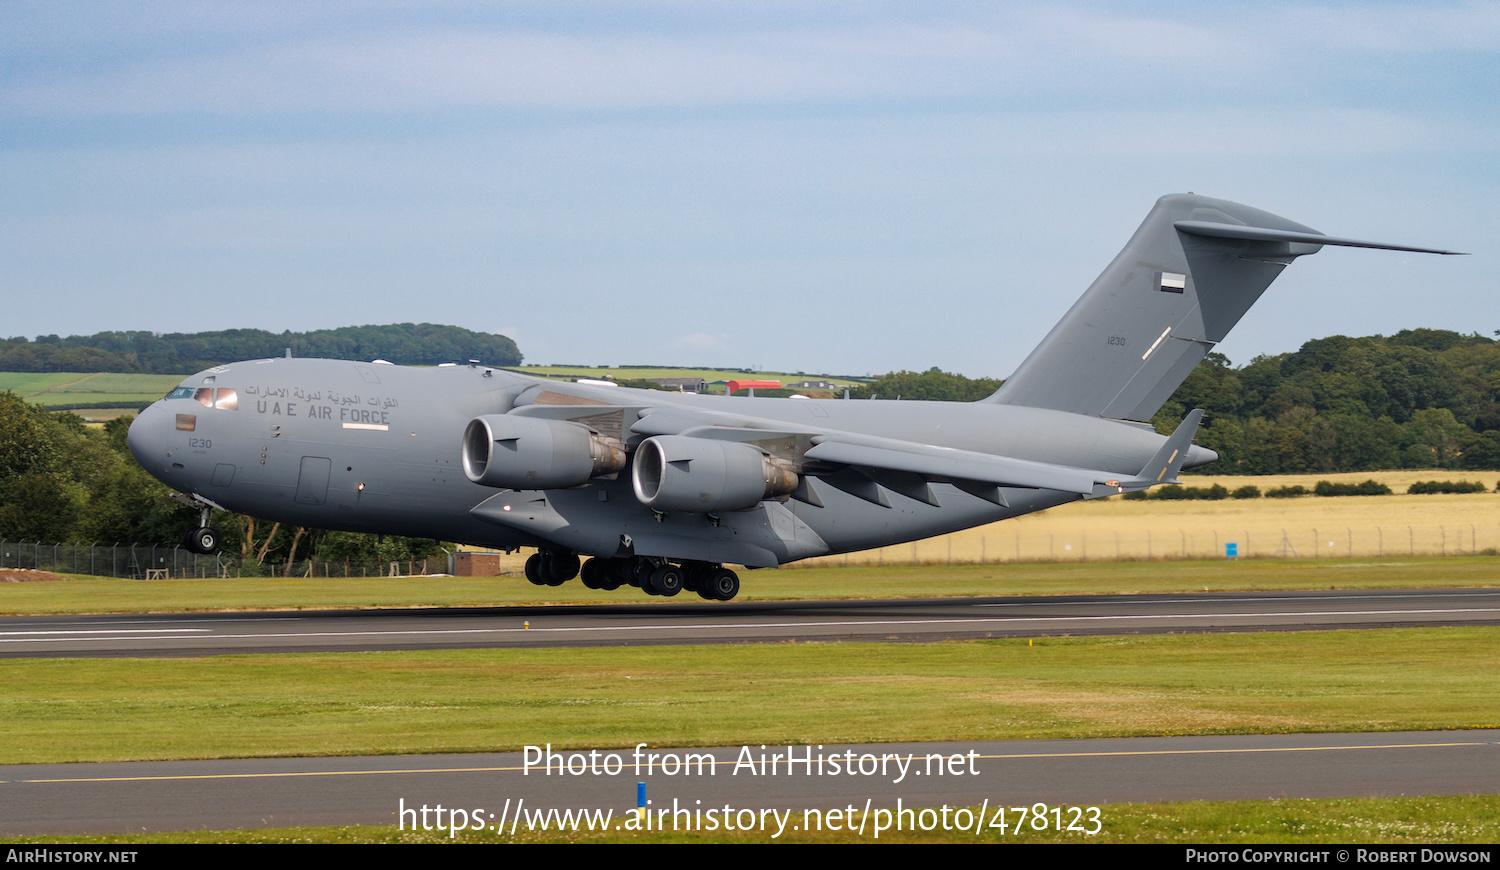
(93, 416)
(27, 383)
(81, 389)
(59, 710)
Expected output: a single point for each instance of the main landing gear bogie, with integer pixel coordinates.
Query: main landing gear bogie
(654, 576)
(546, 568)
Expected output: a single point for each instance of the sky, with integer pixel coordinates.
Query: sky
(844, 188)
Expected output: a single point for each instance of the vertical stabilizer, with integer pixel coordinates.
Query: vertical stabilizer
(1166, 300)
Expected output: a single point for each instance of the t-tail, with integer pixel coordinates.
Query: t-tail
(1187, 276)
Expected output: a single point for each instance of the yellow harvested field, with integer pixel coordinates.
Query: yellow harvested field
(1306, 527)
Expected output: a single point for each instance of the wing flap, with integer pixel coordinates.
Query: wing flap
(904, 467)
(948, 464)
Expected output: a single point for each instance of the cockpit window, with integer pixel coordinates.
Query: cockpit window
(223, 398)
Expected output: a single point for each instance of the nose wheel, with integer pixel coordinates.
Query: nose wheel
(202, 541)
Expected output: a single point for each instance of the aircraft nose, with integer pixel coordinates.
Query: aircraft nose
(148, 437)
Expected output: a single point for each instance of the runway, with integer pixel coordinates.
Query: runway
(495, 790)
(938, 619)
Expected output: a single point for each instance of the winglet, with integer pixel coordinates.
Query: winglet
(1164, 466)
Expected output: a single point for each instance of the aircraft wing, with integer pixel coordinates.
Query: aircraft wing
(645, 419)
(669, 420)
(983, 468)
(867, 465)
(864, 465)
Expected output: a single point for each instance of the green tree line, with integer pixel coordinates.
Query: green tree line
(185, 353)
(1422, 398)
(933, 385)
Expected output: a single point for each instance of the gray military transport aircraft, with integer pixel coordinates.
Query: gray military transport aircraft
(661, 490)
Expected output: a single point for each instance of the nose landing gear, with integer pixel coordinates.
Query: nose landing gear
(202, 540)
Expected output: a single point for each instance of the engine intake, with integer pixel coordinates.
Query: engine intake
(702, 475)
(527, 453)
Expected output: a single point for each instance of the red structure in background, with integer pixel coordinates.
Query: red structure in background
(764, 385)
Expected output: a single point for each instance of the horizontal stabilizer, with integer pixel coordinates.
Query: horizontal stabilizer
(1217, 230)
(1164, 466)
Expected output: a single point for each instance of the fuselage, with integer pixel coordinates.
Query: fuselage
(377, 448)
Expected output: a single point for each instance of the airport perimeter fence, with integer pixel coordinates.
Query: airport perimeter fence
(147, 562)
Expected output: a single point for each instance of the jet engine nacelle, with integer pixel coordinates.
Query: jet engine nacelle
(527, 453)
(702, 475)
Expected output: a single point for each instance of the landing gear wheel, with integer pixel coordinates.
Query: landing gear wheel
(666, 580)
(559, 568)
(722, 585)
(589, 575)
(695, 575)
(534, 570)
(614, 573)
(201, 540)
